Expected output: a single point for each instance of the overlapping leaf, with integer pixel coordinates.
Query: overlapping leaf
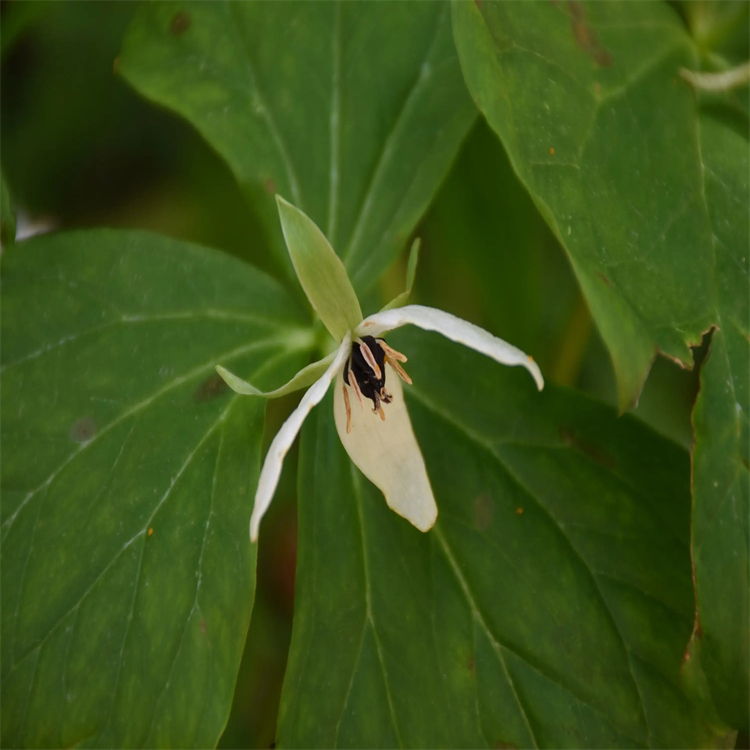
(647, 191)
(550, 605)
(351, 113)
(127, 479)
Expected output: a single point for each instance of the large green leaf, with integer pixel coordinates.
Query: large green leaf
(127, 480)
(646, 186)
(351, 111)
(549, 606)
(721, 504)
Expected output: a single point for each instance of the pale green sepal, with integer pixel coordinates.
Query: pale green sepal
(320, 271)
(304, 378)
(411, 272)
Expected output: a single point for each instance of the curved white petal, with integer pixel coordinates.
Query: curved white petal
(387, 452)
(305, 377)
(453, 328)
(269, 474)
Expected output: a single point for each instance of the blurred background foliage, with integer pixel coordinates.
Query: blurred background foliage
(80, 149)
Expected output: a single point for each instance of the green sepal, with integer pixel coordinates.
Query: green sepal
(320, 271)
(411, 272)
(304, 378)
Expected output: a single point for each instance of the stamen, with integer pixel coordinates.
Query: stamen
(382, 413)
(354, 384)
(391, 353)
(385, 396)
(370, 359)
(399, 370)
(348, 409)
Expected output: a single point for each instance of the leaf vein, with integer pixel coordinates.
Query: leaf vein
(190, 375)
(387, 147)
(236, 25)
(496, 645)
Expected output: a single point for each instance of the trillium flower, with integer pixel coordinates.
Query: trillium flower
(368, 407)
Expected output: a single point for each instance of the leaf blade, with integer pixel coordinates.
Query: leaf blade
(362, 155)
(641, 180)
(560, 624)
(125, 482)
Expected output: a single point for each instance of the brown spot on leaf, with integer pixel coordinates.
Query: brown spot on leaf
(519, 511)
(503, 745)
(180, 23)
(592, 451)
(151, 531)
(585, 36)
(602, 277)
(212, 387)
(552, 151)
(203, 627)
(472, 666)
(83, 430)
(270, 186)
(483, 511)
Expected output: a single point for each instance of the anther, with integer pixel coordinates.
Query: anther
(348, 407)
(370, 359)
(391, 353)
(358, 393)
(399, 370)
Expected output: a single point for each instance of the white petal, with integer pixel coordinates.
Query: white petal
(305, 377)
(387, 453)
(453, 328)
(269, 474)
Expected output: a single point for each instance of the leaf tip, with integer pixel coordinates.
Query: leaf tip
(282, 202)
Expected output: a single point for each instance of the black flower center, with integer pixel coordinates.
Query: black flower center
(370, 385)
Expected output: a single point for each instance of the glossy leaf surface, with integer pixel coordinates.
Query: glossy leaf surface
(300, 99)
(548, 607)
(128, 474)
(646, 186)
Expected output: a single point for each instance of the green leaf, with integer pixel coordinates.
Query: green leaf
(127, 481)
(490, 258)
(646, 187)
(300, 100)
(320, 271)
(7, 215)
(550, 605)
(571, 91)
(721, 642)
